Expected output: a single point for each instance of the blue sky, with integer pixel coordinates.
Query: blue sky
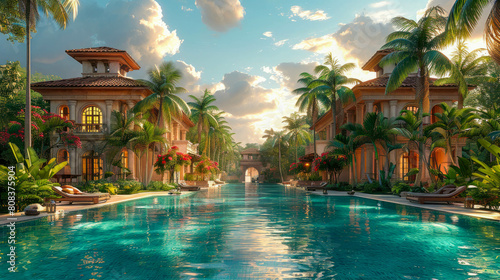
(249, 53)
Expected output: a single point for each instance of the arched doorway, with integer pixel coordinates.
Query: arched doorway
(251, 175)
(91, 166)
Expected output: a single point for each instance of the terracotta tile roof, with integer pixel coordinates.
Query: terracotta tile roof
(411, 81)
(90, 82)
(96, 49)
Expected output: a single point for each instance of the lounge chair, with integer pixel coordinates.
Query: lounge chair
(219, 182)
(436, 197)
(79, 196)
(316, 186)
(185, 187)
(443, 190)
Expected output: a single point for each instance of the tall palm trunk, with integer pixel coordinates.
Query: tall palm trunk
(200, 128)
(279, 159)
(334, 113)
(296, 151)
(314, 119)
(422, 97)
(145, 178)
(27, 115)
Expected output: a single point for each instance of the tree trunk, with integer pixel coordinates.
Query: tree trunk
(422, 97)
(334, 113)
(279, 159)
(314, 119)
(200, 127)
(460, 104)
(27, 115)
(145, 179)
(296, 151)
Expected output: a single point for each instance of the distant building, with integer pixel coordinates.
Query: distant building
(89, 100)
(371, 97)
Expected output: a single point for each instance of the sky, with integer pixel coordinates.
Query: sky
(248, 53)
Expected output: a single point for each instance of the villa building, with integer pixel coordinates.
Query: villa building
(370, 97)
(89, 101)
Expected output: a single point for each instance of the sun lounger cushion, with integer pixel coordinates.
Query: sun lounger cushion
(448, 190)
(75, 190)
(68, 190)
(58, 188)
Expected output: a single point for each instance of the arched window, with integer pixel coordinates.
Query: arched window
(408, 161)
(64, 112)
(91, 166)
(411, 108)
(62, 156)
(92, 119)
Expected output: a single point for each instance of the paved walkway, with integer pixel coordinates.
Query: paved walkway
(455, 208)
(64, 207)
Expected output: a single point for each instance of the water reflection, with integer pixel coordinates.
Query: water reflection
(256, 232)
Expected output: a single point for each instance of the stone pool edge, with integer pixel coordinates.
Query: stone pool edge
(456, 208)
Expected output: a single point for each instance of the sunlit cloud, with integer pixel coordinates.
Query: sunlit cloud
(308, 15)
(280, 43)
(221, 15)
(268, 34)
(380, 4)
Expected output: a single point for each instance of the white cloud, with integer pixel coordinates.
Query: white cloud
(221, 15)
(280, 43)
(186, 9)
(268, 34)
(322, 44)
(308, 15)
(136, 26)
(380, 4)
(190, 77)
(287, 73)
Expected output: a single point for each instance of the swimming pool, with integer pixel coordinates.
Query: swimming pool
(255, 232)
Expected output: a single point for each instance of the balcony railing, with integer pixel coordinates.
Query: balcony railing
(88, 128)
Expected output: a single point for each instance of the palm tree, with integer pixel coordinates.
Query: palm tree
(277, 139)
(376, 130)
(451, 124)
(202, 112)
(332, 81)
(410, 129)
(416, 49)
(346, 145)
(467, 68)
(148, 135)
(464, 17)
(297, 131)
(162, 82)
(310, 101)
(59, 11)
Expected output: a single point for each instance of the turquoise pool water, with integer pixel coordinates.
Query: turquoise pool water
(255, 232)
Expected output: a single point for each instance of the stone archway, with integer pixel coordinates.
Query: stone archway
(251, 175)
(250, 158)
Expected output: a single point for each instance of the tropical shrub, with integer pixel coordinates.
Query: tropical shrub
(191, 177)
(128, 186)
(172, 161)
(488, 184)
(159, 186)
(315, 177)
(206, 167)
(331, 163)
(400, 187)
(99, 186)
(341, 186)
(32, 181)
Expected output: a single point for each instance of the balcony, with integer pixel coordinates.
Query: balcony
(88, 128)
(320, 147)
(186, 146)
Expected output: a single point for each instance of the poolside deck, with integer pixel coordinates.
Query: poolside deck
(455, 208)
(65, 207)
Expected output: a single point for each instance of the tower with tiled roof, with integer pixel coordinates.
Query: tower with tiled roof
(89, 101)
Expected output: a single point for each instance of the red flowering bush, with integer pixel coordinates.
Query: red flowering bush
(299, 167)
(206, 167)
(172, 161)
(43, 123)
(331, 163)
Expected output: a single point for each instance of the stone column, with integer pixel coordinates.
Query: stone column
(369, 160)
(73, 160)
(72, 110)
(362, 167)
(369, 106)
(359, 113)
(131, 154)
(175, 128)
(386, 109)
(109, 104)
(393, 104)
